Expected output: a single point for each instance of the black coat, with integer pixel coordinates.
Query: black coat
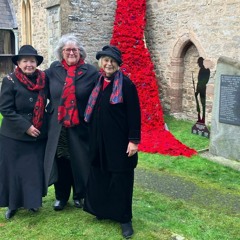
(16, 106)
(112, 126)
(78, 139)
(21, 155)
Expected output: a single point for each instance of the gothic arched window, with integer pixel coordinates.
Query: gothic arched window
(26, 22)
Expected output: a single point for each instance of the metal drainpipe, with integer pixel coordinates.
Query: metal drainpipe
(15, 32)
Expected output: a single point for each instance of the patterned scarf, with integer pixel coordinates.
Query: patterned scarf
(67, 110)
(39, 107)
(116, 96)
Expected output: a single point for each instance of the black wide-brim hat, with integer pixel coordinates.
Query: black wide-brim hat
(110, 51)
(27, 50)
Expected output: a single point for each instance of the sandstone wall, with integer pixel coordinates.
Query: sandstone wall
(177, 33)
(38, 25)
(213, 28)
(92, 21)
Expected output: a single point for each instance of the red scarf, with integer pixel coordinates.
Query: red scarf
(67, 110)
(38, 110)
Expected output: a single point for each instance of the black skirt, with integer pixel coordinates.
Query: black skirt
(21, 173)
(109, 194)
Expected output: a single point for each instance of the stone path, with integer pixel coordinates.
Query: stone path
(180, 188)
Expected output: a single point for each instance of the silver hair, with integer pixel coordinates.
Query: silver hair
(65, 39)
(100, 62)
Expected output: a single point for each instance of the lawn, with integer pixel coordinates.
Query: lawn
(156, 216)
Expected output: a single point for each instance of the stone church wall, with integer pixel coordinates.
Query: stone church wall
(212, 26)
(177, 33)
(92, 21)
(38, 24)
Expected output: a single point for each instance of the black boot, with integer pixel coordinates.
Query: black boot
(78, 203)
(33, 210)
(10, 213)
(59, 205)
(127, 230)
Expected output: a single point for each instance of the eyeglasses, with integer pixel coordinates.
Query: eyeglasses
(69, 50)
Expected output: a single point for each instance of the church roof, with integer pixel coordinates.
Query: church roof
(7, 15)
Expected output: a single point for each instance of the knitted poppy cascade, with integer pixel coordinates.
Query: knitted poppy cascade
(128, 37)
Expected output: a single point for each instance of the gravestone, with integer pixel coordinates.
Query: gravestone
(225, 124)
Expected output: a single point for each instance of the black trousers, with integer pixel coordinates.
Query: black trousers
(65, 181)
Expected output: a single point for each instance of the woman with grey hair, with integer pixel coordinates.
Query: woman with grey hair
(67, 39)
(66, 163)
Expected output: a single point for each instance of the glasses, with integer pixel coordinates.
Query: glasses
(69, 50)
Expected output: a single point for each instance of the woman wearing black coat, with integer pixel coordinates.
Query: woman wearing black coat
(113, 113)
(66, 163)
(23, 133)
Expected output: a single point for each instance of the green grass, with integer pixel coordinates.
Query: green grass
(156, 216)
(196, 168)
(182, 131)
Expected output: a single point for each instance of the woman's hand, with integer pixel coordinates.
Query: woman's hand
(33, 132)
(132, 149)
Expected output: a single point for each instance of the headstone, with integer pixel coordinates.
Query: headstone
(225, 124)
(229, 107)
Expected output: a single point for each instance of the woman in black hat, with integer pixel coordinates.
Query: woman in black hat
(113, 112)
(23, 133)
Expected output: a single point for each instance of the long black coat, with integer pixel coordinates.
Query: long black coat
(112, 126)
(78, 138)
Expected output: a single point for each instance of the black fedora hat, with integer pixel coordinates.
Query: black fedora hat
(27, 50)
(110, 51)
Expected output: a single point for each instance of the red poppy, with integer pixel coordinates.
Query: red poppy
(70, 89)
(75, 118)
(61, 113)
(70, 101)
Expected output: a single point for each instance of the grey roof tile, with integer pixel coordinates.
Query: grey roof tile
(7, 15)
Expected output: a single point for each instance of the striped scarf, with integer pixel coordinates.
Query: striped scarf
(116, 96)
